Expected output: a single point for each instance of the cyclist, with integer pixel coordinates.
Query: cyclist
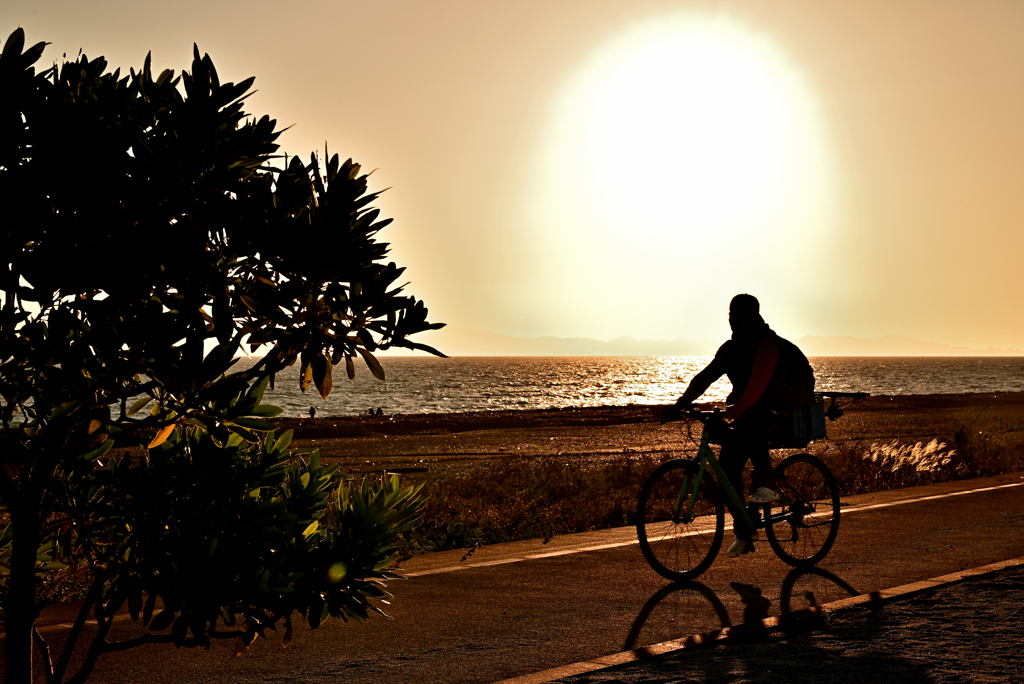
(770, 379)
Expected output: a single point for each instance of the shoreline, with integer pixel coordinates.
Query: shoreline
(939, 399)
(432, 440)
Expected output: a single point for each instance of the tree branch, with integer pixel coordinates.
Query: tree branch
(76, 630)
(45, 648)
(96, 648)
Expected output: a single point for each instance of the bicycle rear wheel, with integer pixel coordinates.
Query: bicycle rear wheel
(679, 545)
(802, 525)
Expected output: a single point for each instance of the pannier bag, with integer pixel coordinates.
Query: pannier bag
(800, 428)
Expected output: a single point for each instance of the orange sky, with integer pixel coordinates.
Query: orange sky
(599, 169)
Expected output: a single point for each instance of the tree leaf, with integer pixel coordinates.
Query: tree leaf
(15, 42)
(162, 621)
(257, 390)
(218, 361)
(243, 432)
(255, 424)
(139, 405)
(161, 436)
(373, 363)
(283, 441)
(322, 375)
(147, 611)
(99, 451)
(242, 643)
(135, 605)
(250, 303)
(287, 632)
(266, 411)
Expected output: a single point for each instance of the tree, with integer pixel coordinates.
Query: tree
(148, 236)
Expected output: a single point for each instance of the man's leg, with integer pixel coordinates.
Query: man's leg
(733, 458)
(748, 441)
(752, 430)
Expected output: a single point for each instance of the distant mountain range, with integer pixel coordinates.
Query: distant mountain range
(891, 345)
(464, 342)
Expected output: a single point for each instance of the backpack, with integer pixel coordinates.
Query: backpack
(792, 386)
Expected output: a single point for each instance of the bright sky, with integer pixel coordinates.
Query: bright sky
(599, 169)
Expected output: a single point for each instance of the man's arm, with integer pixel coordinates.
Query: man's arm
(701, 382)
(765, 363)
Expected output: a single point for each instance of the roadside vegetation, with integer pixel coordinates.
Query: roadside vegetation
(540, 497)
(529, 498)
(862, 467)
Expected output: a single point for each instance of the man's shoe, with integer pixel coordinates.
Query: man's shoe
(763, 495)
(739, 547)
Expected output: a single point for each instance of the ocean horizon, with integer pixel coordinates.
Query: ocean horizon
(426, 384)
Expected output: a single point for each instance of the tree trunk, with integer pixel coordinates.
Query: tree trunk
(20, 606)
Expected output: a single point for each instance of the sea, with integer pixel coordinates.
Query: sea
(426, 384)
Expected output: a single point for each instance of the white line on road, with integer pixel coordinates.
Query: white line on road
(600, 547)
(870, 507)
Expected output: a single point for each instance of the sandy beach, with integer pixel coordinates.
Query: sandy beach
(442, 443)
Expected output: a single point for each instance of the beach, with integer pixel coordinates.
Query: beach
(456, 442)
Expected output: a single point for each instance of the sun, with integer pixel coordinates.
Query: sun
(697, 117)
(683, 139)
(690, 121)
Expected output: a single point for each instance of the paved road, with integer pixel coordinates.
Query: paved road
(964, 632)
(522, 608)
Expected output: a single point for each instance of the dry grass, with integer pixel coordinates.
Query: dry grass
(544, 496)
(861, 467)
(540, 497)
(529, 498)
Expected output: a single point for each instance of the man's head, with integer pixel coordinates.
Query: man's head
(744, 314)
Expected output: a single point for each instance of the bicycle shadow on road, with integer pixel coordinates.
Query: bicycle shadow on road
(678, 606)
(693, 613)
(797, 645)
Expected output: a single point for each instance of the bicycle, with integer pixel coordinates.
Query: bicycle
(680, 519)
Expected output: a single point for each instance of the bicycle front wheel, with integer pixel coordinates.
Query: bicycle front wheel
(680, 529)
(802, 525)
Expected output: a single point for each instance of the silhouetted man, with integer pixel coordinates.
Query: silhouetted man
(770, 379)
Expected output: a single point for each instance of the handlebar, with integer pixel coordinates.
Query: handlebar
(856, 396)
(705, 416)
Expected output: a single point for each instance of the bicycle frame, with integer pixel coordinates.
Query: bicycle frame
(706, 456)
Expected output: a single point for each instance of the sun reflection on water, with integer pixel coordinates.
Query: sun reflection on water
(432, 385)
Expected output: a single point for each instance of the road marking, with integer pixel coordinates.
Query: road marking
(869, 507)
(613, 545)
(875, 598)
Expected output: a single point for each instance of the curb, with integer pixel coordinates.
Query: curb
(874, 599)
